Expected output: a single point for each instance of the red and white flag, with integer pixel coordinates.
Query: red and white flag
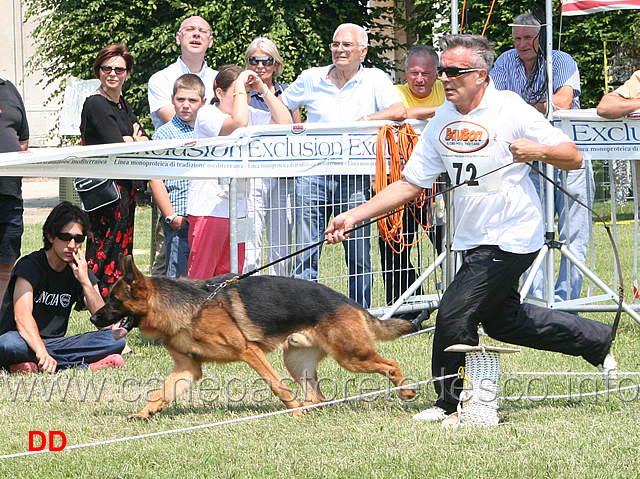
(584, 7)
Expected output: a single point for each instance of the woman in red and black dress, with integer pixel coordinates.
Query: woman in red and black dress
(107, 118)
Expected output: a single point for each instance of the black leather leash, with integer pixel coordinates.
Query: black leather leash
(616, 321)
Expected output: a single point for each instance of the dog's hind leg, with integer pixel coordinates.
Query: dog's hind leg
(254, 357)
(301, 357)
(186, 371)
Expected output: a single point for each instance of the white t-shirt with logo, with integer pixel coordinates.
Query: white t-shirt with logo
(502, 208)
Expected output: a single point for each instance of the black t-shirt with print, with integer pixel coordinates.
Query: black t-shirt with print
(54, 294)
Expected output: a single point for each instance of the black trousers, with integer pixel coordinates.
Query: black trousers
(484, 290)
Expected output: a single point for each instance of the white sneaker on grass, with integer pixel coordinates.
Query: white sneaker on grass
(609, 370)
(433, 414)
(452, 420)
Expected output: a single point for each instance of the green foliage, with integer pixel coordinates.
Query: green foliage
(584, 37)
(580, 36)
(73, 31)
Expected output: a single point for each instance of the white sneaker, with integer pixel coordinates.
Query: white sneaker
(609, 370)
(452, 420)
(434, 414)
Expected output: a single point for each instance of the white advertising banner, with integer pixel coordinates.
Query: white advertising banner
(282, 150)
(601, 139)
(263, 151)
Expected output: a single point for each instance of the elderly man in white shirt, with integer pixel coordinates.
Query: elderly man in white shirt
(342, 91)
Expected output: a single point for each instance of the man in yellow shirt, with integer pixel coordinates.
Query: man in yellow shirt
(423, 92)
(421, 95)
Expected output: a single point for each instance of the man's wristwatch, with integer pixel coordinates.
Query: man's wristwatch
(170, 218)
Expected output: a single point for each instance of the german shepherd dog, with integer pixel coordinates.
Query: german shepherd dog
(202, 321)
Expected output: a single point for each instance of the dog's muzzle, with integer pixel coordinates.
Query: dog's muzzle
(106, 316)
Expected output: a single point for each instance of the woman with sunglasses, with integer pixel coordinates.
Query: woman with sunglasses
(262, 57)
(107, 118)
(271, 199)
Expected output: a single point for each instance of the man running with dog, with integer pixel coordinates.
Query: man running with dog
(482, 138)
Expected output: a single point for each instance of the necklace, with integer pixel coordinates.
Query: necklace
(104, 90)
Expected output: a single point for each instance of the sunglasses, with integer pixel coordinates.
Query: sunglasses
(266, 61)
(118, 70)
(453, 72)
(68, 237)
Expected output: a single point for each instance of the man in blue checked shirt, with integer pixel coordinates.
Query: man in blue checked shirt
(522, 70)
(171, 195)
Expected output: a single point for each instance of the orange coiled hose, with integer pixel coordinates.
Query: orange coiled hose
(390, 228)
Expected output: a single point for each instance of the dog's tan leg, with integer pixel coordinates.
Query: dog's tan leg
(186, 371)
(254, 357)
(374, 363)
(301, 357)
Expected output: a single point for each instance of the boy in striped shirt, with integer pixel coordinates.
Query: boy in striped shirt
(171, 195)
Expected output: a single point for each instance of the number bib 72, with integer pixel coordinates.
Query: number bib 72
(468, 153)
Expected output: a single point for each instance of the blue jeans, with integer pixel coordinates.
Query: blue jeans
(79, 350)
(573, 227)
(177, 246)
(317, 198)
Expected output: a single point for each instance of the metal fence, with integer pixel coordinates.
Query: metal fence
(286, 215)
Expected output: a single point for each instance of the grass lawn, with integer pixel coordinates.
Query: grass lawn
(583, 437)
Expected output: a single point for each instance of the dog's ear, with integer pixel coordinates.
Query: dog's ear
(122, 260)
(128, 267)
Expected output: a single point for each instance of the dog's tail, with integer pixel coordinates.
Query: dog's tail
(391, 328)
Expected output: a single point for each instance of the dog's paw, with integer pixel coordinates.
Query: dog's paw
(140, 416)
(407, 394)
(300, 340)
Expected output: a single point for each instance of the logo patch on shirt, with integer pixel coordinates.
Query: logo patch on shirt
(464, 137)
(53, 299)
